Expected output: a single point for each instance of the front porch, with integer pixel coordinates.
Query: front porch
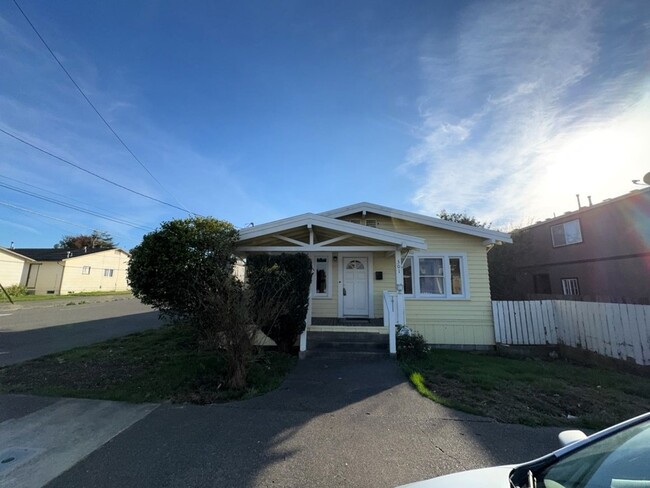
(358, 272)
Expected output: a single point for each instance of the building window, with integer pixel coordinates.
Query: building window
(542, 284)
(566, 233)
(570, 286)
(407, 271)
(108, 273)
(321, 283)
(85, 270)
(435, 276)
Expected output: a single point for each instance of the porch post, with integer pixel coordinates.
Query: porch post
(303, 337)
(399, 312)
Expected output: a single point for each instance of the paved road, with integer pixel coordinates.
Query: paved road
(333, 423)
(32, 329)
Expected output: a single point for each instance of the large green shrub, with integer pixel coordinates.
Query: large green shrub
(185, 270)
(181, 262)
(279, 287)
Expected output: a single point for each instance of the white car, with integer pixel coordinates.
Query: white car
(617, 457)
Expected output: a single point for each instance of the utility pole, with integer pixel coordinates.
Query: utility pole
(7, 294)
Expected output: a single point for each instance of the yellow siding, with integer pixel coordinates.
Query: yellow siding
(328, 307)
(75, 281)
(385, 263)
(11, 269)
(444, 322)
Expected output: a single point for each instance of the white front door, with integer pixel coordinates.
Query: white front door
(355, 286)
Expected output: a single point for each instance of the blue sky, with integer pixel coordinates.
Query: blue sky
(254, 111)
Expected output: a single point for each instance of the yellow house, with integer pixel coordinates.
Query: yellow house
(62, 271)
(380, 266)
(13, 267)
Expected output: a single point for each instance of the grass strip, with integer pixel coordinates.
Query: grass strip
(529, 391)
(158, 365)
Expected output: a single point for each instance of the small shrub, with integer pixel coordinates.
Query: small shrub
(410, 344)
(16, 290)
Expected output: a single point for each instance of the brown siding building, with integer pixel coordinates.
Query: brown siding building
(597, 253)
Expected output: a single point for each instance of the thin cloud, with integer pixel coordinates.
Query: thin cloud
(511, 94)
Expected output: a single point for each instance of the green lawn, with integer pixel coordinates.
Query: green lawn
(529, 391)
(158, 365)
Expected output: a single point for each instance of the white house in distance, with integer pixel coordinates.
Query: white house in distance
(62, 271)
(381, 266)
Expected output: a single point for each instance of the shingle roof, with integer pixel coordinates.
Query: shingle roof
(45, 254)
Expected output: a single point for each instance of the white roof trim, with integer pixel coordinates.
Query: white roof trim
(14, 253)
(332, 224)
(418, 218)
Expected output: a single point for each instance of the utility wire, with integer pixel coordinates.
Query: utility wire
(55, 193)
(95, 108)
(66, 161)
(75, 207)
(23, 209)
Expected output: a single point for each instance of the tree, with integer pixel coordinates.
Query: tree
(98, 239)
(463, 218)
(185, 270)
(283, 280)
(503, 262)
(177, 265)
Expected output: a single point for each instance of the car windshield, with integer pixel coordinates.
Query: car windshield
(621, 460)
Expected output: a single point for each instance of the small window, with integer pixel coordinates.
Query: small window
(321, 281)
(566, 233)
(542, 283)
(407, 272)
(372, 223)
(570, 286)
(108, 273)
(85, 270)
(456, 276)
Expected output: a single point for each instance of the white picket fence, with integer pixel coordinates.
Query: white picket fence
(617, 330)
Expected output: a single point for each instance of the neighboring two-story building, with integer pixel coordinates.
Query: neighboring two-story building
(598, 253)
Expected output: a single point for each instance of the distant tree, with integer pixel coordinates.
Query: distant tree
(463, 218)
(98, 239)
(503, 262)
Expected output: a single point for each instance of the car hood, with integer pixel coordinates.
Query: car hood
(496, 477)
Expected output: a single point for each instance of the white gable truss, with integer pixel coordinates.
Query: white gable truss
(491, 236)
(322, 233)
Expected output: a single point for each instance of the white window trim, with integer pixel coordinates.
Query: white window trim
(446, 256)
(563, 224)
(321, 296)
(570, 284)
(108, 272)
(83, 270)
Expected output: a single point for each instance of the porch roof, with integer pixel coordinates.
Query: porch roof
(311, 232)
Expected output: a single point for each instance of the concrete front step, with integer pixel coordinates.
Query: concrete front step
(347, 355)
(347, 341)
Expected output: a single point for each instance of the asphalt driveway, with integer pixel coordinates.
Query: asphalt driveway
(333, 422)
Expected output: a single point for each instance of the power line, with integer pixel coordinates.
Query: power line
(75, 207)
(55, 193)
(23, 209)
(95, 108)
(81, 168)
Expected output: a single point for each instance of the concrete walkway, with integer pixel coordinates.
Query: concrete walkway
(334, 422)
(40, 438)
